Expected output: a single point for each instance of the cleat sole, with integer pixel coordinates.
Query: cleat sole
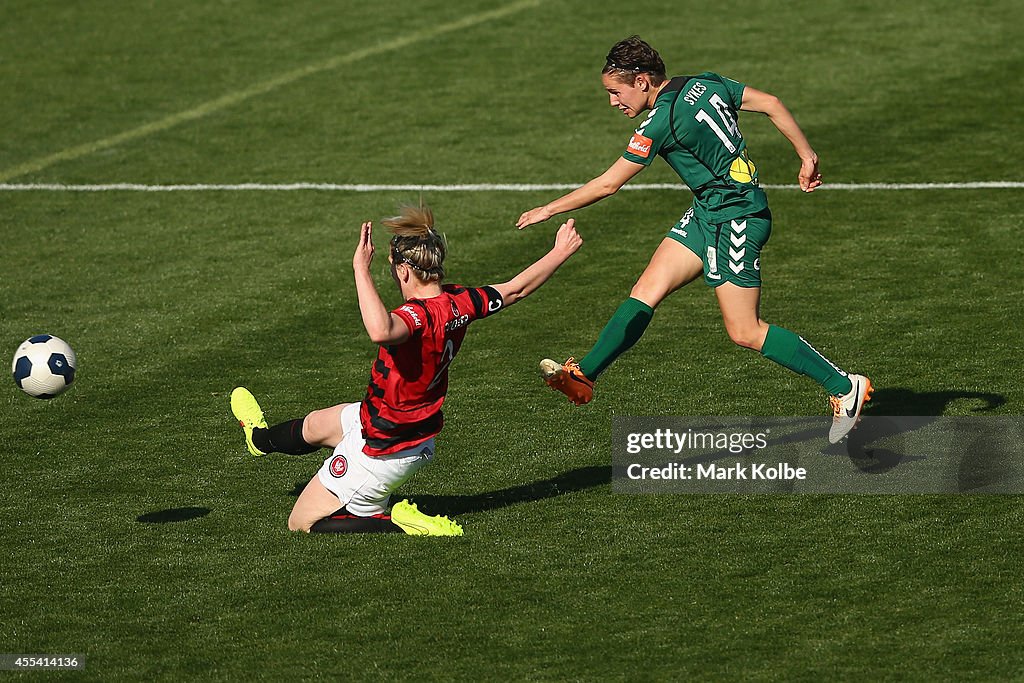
(549, 369)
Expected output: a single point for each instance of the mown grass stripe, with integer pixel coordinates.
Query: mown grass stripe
(233, 98)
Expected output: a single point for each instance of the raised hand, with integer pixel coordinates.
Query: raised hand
(364, 250)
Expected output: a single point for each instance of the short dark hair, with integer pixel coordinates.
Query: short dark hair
(633, 56)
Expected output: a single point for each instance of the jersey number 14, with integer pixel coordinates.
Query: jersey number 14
(725, 113)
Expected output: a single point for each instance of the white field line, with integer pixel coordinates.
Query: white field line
(476, 187)
(238, 96)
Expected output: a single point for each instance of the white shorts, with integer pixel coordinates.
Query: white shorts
(363, 484)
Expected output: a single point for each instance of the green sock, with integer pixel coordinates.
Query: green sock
(792, 351)
(622, 331)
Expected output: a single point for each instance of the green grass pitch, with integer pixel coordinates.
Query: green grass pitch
(138, 533)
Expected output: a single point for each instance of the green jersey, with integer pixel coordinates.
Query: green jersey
(693, 125)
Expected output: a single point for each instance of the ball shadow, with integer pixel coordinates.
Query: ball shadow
(173, 515)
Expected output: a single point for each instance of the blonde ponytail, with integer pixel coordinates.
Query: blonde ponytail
(417, 243)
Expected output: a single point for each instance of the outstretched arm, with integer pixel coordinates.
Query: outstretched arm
(781, 118)
(567, 241)
(604, 185)
(383, 326)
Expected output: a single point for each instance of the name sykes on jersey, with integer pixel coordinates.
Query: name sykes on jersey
(694, 93)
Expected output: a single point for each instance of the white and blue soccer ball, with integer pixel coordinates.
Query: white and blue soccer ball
(44, 366)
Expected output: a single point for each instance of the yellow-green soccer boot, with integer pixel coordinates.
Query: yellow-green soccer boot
(415, 523)
(247, 412)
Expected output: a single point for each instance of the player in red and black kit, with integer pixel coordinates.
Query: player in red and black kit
(383, 440)
(408, 382)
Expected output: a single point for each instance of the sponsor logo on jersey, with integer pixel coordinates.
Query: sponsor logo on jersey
(683, 222)
(412, 314)
(742, 169)
(339, 466)
(640, 145)
(456, 323)
(712, 264)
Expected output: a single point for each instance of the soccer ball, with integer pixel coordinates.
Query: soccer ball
(44, 366)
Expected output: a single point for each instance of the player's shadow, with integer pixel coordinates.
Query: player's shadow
(566, 482)
(875, 447)
(864, 444)
(173, 515)
(897, 401)
(985, 469)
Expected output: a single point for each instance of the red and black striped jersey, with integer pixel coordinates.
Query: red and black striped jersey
(408, 381)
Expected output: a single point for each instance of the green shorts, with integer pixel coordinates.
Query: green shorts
(730, 251)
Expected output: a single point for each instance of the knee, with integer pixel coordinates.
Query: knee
(296, 524)
(652, 295)
(312, 431)
(747, 337)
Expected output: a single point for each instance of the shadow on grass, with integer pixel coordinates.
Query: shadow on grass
(173, 515)
(567, 482)
(981, 466)
(870, 458)
(901, 401)
(982, 460)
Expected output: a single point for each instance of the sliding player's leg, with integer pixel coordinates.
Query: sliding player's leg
(327, 427)
(315, 503)
(319, 429)
(352, 491)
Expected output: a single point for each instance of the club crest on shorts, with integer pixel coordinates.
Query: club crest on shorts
(339, 466)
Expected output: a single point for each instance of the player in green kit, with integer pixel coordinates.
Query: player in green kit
(692, 123)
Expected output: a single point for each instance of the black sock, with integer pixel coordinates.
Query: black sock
(343, 522)
(283, 438)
